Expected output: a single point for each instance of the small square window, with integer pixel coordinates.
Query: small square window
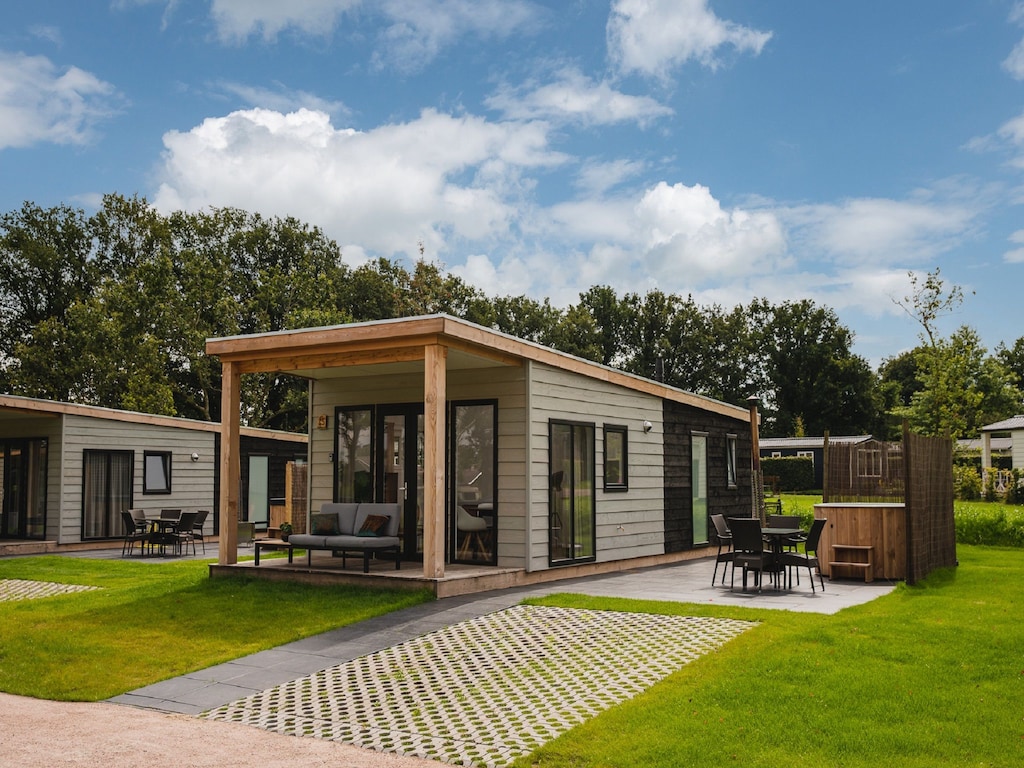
(616, 454)
(156, 472)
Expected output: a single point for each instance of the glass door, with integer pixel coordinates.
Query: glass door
(400, 470)
(259, 492)
(699, 468)
(23, 489)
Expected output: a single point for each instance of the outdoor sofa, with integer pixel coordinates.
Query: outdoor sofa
(347, 528)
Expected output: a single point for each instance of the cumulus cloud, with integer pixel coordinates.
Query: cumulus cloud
(430, 179)
(40, 102)
(651, 37)
(573, 97)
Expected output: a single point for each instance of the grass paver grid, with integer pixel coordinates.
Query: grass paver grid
(487, 690)
(23, 589)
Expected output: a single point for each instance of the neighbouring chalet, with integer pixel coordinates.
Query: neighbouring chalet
(808, 447)
(67, 471)
(503, 452)
(1014, 427)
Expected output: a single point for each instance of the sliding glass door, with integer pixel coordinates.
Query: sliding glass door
(572, 523)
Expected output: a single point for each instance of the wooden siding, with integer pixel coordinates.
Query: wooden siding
(192, 483)
(630, 523)
(503, 384)
(681, 421)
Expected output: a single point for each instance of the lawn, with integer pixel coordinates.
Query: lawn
(930, 675)
(151, 621)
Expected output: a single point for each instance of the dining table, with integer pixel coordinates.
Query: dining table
(777, 539)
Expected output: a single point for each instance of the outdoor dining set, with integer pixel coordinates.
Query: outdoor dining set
(170, 531)
(777, 550)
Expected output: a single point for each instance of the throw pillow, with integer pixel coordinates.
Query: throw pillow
(325, 524)
(373, 525)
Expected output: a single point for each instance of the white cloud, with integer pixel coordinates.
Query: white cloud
(41, 103)
(420, 29)
(881, 231)
(281, 98)
(436, 178)
(596, 177)
(573, 97)
(652, 37)
(237, 20)
(1014, 63)
(414, 32)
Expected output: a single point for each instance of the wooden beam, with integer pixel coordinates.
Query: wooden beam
(230, 463)
(333, 359)
(434, 394)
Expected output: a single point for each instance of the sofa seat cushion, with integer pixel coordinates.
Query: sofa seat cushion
(307, 540)
(360, 542)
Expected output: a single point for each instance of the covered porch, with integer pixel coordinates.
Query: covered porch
(418, 352)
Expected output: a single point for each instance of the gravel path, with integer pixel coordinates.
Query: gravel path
(73, 735)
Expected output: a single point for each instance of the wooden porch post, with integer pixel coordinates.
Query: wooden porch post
(230, 463)
(434, 397)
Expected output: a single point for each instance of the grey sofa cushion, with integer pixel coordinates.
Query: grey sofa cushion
(303, 540)
(360, 542)
(346, 512)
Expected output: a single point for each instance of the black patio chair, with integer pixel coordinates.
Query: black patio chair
(748, 550)
(183, 532)
(197, 528)
(809, 557)
(133, 533)
(724, 541)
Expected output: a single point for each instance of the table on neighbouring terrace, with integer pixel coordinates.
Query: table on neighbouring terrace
(273, 544)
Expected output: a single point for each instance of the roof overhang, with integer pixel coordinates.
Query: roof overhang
(398, 346)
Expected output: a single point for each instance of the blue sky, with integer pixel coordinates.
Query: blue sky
(729, 150)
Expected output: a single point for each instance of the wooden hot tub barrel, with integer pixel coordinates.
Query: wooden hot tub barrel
(855, 527)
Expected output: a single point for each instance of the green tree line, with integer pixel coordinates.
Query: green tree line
(114, 309)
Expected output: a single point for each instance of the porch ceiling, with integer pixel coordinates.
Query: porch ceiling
(458, 360)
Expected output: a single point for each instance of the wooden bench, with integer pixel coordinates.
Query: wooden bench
(855, 557)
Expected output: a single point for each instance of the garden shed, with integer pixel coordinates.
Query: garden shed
(67, 470)
(502, 452)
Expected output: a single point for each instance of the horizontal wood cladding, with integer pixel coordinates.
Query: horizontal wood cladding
(680, 423)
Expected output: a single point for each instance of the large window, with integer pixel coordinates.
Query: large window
(473, 452)
(572, 514)
(156, 474)
(616, 459)
(353, 454)
(106, 492)
(699, 469)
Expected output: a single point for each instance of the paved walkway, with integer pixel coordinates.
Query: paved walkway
(410, 681)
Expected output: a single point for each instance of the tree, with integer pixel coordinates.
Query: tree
(928, 301)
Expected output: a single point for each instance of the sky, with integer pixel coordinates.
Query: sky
(728, 150)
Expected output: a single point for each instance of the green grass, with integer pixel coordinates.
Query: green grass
(151, 621)
(930, 675)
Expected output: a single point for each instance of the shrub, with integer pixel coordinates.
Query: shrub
(795, 473)
(966, 483)
(989, 525)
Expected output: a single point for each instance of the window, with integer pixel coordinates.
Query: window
(730, 459)
(156, 473)
(353, 454)
(869, 462)
(699, 487)
(616, 459)
(572, 534)
(106, 492)
(473, 451)
(806, 455)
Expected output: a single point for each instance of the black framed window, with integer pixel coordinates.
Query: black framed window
(730, 459)
(156, 472)
(572, 526)
(616, 458)
(106, 492)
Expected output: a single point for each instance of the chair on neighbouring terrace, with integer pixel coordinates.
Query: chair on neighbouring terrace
(183, 532)
(133, 533)
(197, 528)
(809, 558)
(725, 553)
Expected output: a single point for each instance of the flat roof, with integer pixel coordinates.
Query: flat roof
(396, 346)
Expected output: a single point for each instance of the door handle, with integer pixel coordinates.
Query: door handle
(405, 491)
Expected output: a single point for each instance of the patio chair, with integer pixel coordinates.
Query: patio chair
(133, 533)
(183, 532)
(170, 514)
(724, 540)
(809, 557)
(748, 550)
(197, 528)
